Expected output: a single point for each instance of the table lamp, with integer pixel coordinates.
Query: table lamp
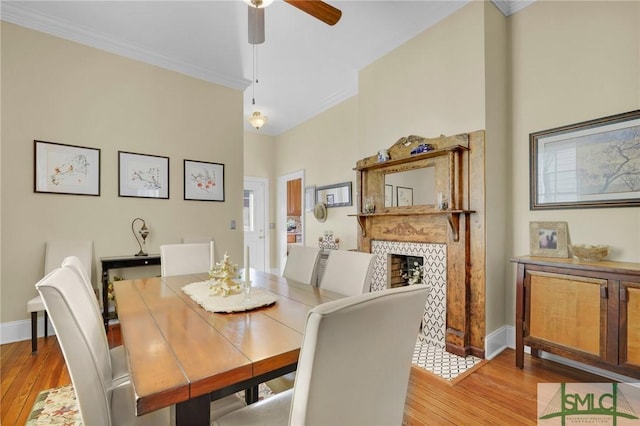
(144, 232)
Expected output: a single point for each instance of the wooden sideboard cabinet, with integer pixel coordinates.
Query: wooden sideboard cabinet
(585, 311)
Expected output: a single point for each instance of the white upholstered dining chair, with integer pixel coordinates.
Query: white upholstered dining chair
(54, 253)
(101, 400)
(181, 259)
(348, 272)
(117, 355)
(353, 367)
(302, 264)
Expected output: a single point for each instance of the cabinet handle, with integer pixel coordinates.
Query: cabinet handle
(603, 292)
(623, 294)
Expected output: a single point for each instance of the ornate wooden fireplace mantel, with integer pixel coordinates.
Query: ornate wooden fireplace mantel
(457, 172)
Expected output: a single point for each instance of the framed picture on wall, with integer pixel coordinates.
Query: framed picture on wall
(142, 175)
(404, 196)
(338, 195)
(548, 239)
(203, 181)
(595, 163)
(66, 169)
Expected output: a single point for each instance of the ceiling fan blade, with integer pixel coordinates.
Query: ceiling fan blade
(256, 25)
(318, 9)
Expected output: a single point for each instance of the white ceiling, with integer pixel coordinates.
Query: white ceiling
(304, 67)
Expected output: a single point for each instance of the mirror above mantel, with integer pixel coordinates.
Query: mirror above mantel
(415, 181)
(419, 184)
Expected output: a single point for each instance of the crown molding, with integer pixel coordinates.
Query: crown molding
(509, 7)
(12, 12)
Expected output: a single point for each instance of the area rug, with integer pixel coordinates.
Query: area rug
(55, 406)
(58, 406)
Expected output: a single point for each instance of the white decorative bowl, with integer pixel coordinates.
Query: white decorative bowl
(589, 253)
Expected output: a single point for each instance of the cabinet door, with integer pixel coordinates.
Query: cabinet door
(294, 202)
(566, 313)
(630, 324)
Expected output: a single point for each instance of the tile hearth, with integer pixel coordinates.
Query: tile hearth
(437, 360)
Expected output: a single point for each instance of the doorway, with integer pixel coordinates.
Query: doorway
(288, 221)
(255, 210)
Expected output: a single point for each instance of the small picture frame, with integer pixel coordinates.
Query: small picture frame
(331, 200)
(66, 169)
(548, 239)
(203, 181)
(404, 196)
(388, 195)
(143, 175)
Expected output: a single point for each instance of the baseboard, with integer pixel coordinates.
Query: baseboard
(496, 342)
(16, 331)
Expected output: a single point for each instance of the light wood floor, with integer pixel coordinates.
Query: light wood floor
(495, 393)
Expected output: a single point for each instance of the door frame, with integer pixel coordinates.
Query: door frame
(282, 214)
(267, 229)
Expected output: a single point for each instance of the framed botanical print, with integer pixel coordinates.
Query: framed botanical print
(203, 181)
(66, 169)
(142, 175)
(595, 163)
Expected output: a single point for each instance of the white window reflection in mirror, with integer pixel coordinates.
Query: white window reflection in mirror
(422, 181)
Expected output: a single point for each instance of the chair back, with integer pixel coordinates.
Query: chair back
(181, 259)
(74, 263)
(355, 359)
(79, 333)
(348, 272)
(56, 251)
(302, 264)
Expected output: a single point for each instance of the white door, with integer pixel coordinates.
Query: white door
(255, 210)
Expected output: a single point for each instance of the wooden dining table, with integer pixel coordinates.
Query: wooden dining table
(179, 353)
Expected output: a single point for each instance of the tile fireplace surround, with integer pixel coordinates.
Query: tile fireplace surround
(435, 258)
(429, 352)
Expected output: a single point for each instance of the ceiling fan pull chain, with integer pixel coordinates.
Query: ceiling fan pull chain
(255, 74)
(253, 83)
(255, 53)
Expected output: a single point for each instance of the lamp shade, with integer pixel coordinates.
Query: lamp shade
(257, 120)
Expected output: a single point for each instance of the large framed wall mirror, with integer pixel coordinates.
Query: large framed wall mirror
(338, 195)
(421, 183)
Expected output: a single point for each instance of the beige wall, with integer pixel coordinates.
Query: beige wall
(60, 91)
(431, 85)
(497, 154)
(571, 62)
(324, 147)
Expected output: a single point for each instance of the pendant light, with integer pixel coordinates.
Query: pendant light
(256, 119)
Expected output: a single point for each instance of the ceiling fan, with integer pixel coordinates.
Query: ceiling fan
(316, 8)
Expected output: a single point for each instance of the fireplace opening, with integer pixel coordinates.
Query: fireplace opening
(404, 270)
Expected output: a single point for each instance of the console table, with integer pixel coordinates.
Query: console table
(585, 311)
(118, 262)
